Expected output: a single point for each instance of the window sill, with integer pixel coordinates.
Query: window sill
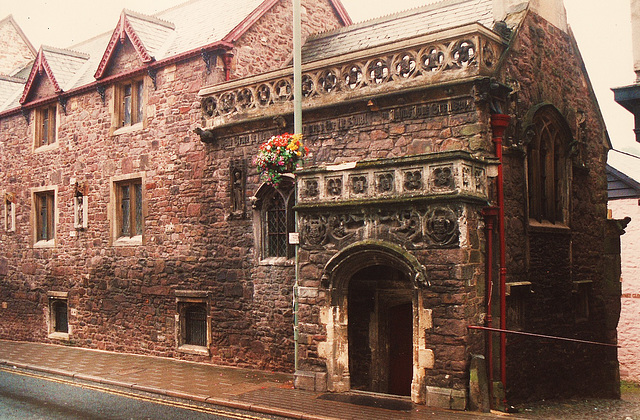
(193, 349)
(128, 241)
(129, 129)
(278, 261)
(46, 147)
(51, 243)
(548, 227)
(59, 336)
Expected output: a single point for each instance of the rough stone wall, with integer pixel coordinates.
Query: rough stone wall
(544, 66)
(14, 52)
(122, 298)
(629, 327)
(268, 46)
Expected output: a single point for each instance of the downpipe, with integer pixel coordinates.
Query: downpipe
(499, 123)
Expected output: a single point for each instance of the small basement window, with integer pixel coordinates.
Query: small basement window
(193, 322)
(58, 315)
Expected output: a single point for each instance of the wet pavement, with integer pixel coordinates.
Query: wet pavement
(266, 392)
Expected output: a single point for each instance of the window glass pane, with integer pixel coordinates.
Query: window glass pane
(42, 218)
(44, 133)
(125, 206)
(126, 105)
(52, 124)
(138, 111)
(276, 224)
(138, 208)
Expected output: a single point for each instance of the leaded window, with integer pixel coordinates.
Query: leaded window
(547, 168)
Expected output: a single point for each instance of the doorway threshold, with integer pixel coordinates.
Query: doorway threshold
(371, 399)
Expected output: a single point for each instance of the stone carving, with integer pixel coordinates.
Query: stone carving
(442, 178)
(238, 189)
(343, 227)
(432, 59)
(404, 225)
(480, 181)
(413, 180)
(441, 226)
(384, 182)
(378, 71)
(314, 230)
(406, 66)
(466, 177)
(310, 188)
(334, 187)
(359, 184)
(464, 53)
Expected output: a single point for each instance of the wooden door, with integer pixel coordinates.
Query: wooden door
(400, 349)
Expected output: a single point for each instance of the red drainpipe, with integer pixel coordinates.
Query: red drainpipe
(499, 122)
(490, 214)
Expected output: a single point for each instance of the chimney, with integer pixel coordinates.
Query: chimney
(551, 10)
(635, 36)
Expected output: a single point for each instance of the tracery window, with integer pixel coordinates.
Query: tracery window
(547, 168)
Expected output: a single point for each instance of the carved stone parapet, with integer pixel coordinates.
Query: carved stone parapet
(430, 175)
(465, 52)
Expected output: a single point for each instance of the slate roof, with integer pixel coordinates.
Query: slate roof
(10, 91)
(623, 175)
(396, 27)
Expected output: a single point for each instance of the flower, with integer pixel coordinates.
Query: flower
(278, 155)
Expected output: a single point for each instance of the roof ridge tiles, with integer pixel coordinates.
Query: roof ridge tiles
(12, 79)
(65, 51)
(149, 18)
(392, 16)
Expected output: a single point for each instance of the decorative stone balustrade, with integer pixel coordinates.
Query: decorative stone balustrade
(420, 176)
(456, 54)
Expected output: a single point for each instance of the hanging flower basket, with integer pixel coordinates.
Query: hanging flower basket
(279, 155)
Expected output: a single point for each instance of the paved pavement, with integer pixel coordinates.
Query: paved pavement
(252, 390)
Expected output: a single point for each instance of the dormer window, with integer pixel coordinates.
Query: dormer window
(45, 129)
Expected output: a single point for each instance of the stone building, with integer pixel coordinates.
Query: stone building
(135, 222)
(624, 201)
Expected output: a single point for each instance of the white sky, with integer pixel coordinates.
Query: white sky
(602, 28)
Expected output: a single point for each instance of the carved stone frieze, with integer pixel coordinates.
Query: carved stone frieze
(398, 178)
(404, 225)
(429, 61)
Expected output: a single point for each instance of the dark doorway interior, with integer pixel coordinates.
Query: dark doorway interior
(380, 331)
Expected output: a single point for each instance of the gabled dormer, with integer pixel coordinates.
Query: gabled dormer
(135, 42)
(17, 50)
(53, 72)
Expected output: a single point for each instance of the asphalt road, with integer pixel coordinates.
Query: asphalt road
(28, 396)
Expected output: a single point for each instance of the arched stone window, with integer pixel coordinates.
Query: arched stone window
(548, 173)
(276, 219)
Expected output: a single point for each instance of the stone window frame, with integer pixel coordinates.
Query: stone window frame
(45, 137)
(137, 102)
(55, 300)
(50, 193)
(115, 210)
(184, 300)
(286, 191)
(548, 169)
(9, 214)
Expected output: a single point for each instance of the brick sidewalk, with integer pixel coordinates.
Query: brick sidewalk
(252, 390)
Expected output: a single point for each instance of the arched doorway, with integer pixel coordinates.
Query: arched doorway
(380, 330)
(374, 319)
